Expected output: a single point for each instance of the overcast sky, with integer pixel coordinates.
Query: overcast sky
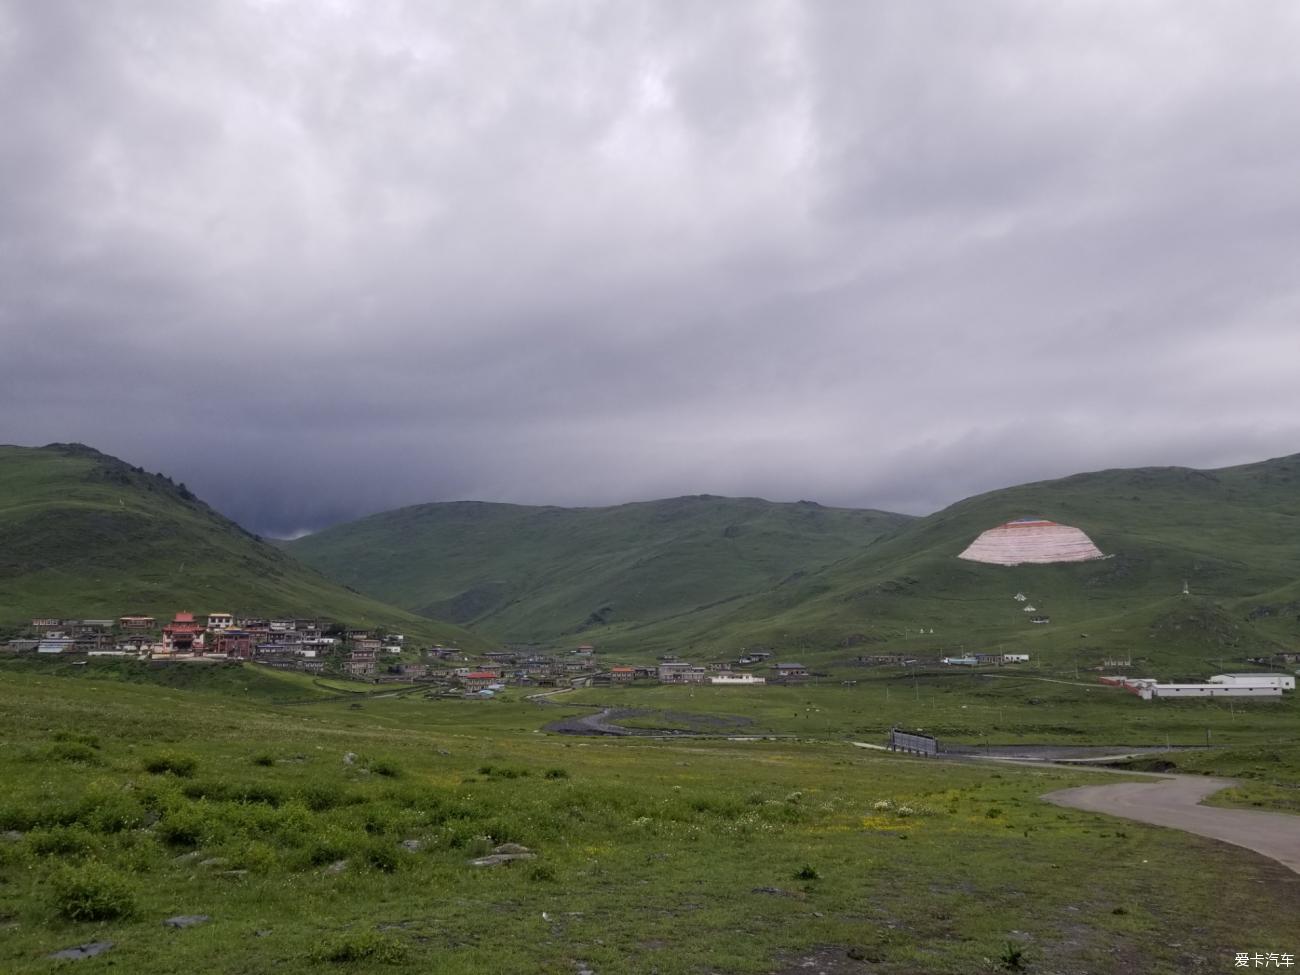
(318, 259)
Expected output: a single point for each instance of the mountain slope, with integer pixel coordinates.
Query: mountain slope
(1233, 535)
(83, 534)
(544, 573)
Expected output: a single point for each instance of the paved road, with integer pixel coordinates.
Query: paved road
(1174, 801)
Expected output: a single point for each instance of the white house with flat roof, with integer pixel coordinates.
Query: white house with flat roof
(1284, 681)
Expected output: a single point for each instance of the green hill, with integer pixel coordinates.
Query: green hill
(714, 575)
(1233, 535)
(547, 574)
(83, 534)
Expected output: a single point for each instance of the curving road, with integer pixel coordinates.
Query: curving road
(1174, 801)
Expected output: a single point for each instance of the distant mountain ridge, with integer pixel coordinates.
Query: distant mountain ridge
(84, 534)
(522, 573)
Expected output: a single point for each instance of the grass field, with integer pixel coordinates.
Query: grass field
(137, 802)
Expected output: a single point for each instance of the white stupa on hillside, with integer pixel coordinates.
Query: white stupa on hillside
(1033, 541)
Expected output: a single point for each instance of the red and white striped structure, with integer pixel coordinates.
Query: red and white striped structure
(1031, 541)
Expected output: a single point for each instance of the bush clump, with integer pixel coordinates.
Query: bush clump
(181, 826)
(73, 752)
(92, 892)
(171, 763)
(364, 946)
(502, 772)
(61, 841)
(382, 856)
(388, 769)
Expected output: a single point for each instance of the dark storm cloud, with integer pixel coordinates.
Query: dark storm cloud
(318, 259)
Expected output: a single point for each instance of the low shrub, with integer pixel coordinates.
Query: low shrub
(382, 855)
(388, 769)
(171, 763)
(557, 773)
(502, 772)
(182, 826)
(363, 946)
(108, 809)
(1013, 956)
(62, 841)
(319, 797)
(807, 872)
(92, 892)
(264, 760)
(75, 753)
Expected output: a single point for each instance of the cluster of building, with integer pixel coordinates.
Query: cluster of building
(307, 645)
(300, 643)
(1220, 685)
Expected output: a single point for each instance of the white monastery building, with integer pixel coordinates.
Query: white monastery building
(1034, 541)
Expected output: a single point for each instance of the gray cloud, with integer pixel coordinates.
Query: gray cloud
(321, 259)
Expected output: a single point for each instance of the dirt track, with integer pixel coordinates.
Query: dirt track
(1174, 801)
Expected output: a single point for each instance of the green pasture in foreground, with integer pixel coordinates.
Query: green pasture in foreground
(137, 802)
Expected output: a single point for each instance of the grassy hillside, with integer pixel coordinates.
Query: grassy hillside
(83, 534)
(1232, 535)
(710, 576)
(527, 573)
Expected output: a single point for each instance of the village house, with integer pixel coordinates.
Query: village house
(43, 626)
(790, 671)
(88, 627)
(680, 672)
(91, 642)
(233, 643)
(586, 650)
(360, 663)
(220, 621)
(736, 680)
(480, 680)
(622, 674)
(137, 623)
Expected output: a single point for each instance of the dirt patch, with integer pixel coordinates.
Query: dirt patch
(826, 960)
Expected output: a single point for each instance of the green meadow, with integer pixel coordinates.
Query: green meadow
(279, 808)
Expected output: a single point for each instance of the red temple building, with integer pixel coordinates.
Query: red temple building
(182, 635)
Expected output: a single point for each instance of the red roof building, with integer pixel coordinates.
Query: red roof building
(182, 635)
